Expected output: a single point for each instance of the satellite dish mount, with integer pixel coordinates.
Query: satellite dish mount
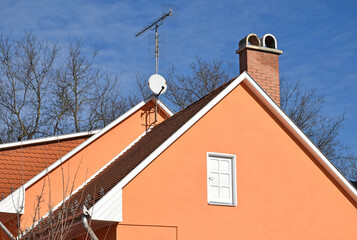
(157, 85)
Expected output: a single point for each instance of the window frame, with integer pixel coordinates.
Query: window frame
(234, 179)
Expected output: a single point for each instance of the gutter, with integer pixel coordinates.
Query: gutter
(86, 226)
(6, 231)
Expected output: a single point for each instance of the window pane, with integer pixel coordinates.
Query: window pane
(214, 164)
(214, 192)
(225, 179)
(214, 178)
(224, 165)
(225, 193)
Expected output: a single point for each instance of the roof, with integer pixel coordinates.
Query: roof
(6, 205)
(132, 161)
(124, 164)
(21, 161)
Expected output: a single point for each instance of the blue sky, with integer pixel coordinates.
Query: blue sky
(317, 38)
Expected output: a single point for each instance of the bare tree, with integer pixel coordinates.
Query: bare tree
(142, 84)
(75, 83)
(107, 102)
(26, 68)
(86, 97)
(184, 89)
(304, 107)
(44, 92)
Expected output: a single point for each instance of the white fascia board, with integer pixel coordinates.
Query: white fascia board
(80, 147)
(15, 203)
(165, 108)
(161, 104)
(47, 139)
(298, 133)
(109, 207)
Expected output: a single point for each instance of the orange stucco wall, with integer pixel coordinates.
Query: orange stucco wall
(282, 193)
(133, 232)
(146, 232)
(66, 178)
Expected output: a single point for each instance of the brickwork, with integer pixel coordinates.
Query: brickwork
(263, 66)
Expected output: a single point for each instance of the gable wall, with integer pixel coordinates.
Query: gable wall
(282, 192)
(85, 163)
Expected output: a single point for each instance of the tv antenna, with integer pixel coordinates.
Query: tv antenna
(153, 27)
(157, 83)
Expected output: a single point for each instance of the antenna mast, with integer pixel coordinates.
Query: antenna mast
(154, 26)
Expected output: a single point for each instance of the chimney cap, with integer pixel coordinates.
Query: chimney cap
(267, 43)
(251, 39)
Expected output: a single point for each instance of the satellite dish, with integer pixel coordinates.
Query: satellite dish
(157, 84)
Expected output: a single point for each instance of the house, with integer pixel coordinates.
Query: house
(230, 166)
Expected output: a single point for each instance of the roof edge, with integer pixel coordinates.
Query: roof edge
(300, 135)
(48, 139)
(87, 142)
(164, 107)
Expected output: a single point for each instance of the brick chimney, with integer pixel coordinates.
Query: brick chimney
(260, 58)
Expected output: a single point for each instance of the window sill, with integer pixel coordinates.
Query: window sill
(222, 204)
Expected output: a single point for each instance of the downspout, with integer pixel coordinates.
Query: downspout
(86, 224)
(6, 231)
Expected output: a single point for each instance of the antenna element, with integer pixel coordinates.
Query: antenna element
(154, 26)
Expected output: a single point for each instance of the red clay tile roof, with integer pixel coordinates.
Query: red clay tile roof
(21, 163)
(123, 165)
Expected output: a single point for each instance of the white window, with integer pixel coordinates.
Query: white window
(221, 179)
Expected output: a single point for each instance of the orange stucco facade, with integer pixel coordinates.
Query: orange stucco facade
(64, 179)
(282, 192)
